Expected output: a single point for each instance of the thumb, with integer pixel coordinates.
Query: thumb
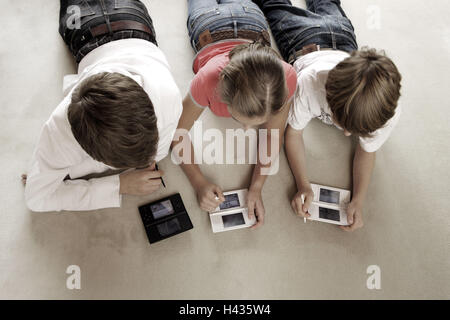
(298, 206)
(251, 209)
(350, 215)
(218, 191)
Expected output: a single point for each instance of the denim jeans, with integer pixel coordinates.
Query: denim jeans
(94, 13)
(217, 15)
(323, 23)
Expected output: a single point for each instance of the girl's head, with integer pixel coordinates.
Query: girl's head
(253, 83)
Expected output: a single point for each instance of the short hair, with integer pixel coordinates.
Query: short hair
(363, 90)
(112, 118)
(253, 82)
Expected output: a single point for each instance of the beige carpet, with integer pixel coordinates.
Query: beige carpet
(406, 230)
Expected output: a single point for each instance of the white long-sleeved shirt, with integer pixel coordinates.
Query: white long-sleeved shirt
(58, 161)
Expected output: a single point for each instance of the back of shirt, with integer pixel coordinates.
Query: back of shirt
(310, 100)
(58, 160)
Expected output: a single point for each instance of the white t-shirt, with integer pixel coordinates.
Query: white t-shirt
(310, 100)
(58, 155)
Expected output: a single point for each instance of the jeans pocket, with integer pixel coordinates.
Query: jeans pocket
(248, 9)
(346, 25)
(200, 15)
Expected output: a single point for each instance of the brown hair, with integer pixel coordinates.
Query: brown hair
(363, 90)
(113, 120)
(253, 83)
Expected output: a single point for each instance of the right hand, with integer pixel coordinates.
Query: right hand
(140, 182)
(206, 196)
(296, 203)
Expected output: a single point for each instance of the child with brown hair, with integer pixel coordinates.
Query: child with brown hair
(120, 112)
(357, 91)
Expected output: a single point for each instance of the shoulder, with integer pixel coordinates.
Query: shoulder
(380, 136)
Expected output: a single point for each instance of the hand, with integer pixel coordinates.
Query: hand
(255, 207)
(140, 182)
(354, 216)
(24, 179)
(207, 194)
(300, 208)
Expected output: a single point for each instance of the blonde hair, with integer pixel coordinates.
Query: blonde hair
(253, 83)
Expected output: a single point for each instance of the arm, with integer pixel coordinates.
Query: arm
(206, 191)
(277, 122)
(363, 164)
(295, 151)
(50, 191)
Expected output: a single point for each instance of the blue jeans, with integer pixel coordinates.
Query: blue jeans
(218, 15)
(94, 13)
(323, 23)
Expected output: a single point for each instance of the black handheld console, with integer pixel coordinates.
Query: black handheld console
(165, 218)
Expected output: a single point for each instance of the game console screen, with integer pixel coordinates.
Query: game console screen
(162, 209)
(232, 220)
(329, 196)
(329, 214)
(231, 201)
(169, 227)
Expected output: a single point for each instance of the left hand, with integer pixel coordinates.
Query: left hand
(354, 216)
(255, 207)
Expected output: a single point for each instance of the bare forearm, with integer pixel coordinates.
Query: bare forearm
(363, 164)
(263, 167)
(295, 151)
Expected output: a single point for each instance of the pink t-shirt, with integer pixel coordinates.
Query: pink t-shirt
(207, 67)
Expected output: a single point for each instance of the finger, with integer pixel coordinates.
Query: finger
(152, 185)
(350, 216)
(299, 207)
(251, 209)
(153, 182)
(210, 204)
(218, 191)
(309, 199)
(259, 211)
(348, 228)
(147, 174)
(213, 199)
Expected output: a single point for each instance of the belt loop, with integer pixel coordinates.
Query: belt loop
(105, 14)
(235, 29)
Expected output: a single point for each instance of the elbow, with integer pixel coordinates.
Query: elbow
(36, 202)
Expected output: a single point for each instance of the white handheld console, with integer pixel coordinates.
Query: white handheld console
(232, 213)
(329, 204)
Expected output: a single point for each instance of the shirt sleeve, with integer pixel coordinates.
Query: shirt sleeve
(379, 137)
(48, 189)
(197, 89)
(301, 113)
(291, 78)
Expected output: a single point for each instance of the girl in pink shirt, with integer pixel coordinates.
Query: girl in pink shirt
(238, 75)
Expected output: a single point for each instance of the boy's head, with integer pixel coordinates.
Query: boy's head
(113, 120)
(362, 91)
(253, 83)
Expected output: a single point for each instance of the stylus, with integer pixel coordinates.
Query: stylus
(162, 181)
(303, 202)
